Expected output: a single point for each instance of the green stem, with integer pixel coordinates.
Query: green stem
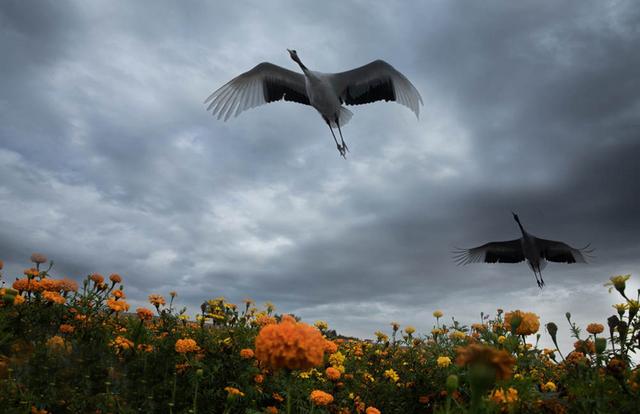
(289, 396)
(195, 397)
(173, 393)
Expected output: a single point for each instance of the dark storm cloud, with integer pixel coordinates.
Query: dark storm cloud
(109, 162)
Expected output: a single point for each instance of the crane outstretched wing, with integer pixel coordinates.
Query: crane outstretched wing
(263, 84)
(493, 252)
(377, 81)
(556, 251)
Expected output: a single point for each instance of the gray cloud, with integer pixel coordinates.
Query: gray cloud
(109, 162)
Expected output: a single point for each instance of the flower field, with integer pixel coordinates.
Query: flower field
(68, 347)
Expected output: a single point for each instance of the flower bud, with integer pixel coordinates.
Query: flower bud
(552, 328)
(601, 345)
(568, 316)
(199, 373)
(612, 321)
(622, 328)
(452, 383)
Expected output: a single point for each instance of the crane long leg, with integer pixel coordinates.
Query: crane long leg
(344, 145)
(340, 148)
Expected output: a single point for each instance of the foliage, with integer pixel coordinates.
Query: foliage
(71, 349)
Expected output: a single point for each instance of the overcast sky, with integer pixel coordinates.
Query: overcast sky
(110, 163)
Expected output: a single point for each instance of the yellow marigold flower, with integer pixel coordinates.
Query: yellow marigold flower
(381, 336)
(186, 345)
(117, 305)
(290, 344)
(392, 375)
(618, 282)
(457, 335)
(66, 328)
(499, 396)
(409, 329)
(529, 322)
(233, 392)
(322, 325)
(54, 297)
(115, 278)
(621, 307)
(144, 314)
(246, 353)
(499, 360)
(333, 374)
(443, 361)
(320, 398)
(501, 339)
(437, 314)
(336, 359)
(437, 331)
(372, 410)
(157, 300)
(97, 278)
(548, 387)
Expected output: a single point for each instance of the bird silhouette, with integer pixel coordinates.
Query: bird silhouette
(534, 250)
(326, 92)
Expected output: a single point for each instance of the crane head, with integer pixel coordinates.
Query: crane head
(293, 54)
(515, 217)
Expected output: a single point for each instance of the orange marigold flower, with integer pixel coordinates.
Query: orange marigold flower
(259, 378)
(115, 278)
(66, 328)
(38, 258)
(290, 344)
(118, 294)
(97, 278)
(529, 322)
(50, 284)
(586, 347)
(56, 343)
(148, 348)
(186, 345)
(18, 300)
(372, 410)
(330, 347)
(144, 314)
(332, 373)
(68, 285)
(53, 297)
(246, 353)
(423, 399)
(232, 392)
(320, 398)
(31, 272)
(277, 397)
(23, 284)
(157, 300)
(121, 343)
(271, 410)
(117, 305)
(499, 360)
(595, 328)
(35, 410)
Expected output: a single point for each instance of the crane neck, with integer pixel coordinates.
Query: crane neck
(524, 233)
(302, 66)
